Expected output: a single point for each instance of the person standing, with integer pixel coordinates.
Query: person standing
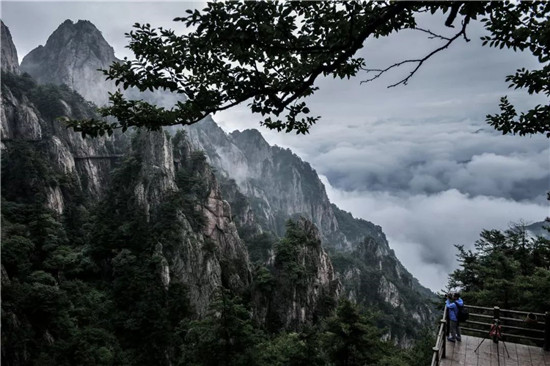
(453, 318)
(459, 309)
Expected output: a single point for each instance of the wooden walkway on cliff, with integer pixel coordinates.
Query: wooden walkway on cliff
(493, 354)
(524, 341)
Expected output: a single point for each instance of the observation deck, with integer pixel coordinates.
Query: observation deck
(523, 339)
(493, 354)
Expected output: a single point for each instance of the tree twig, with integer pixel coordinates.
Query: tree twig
(420, 61)
(433, 35)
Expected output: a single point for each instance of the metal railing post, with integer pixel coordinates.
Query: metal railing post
(436, 350)
(444, 339)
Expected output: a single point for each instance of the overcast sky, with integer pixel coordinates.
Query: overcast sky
(419, 160)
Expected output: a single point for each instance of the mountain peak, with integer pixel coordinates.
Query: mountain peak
(10, 63)
(251, 137)
(81, 25)
(72, 55)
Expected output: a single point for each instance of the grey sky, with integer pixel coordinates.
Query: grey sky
(418, 160)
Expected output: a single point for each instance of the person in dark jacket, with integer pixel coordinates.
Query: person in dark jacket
(453, 318)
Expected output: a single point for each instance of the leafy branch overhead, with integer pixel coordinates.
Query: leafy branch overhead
(270, 54)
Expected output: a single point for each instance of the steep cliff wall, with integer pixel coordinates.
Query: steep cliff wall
(277, 182)
(72, 56)
(304, 287)
(10, 62)
(114, 245)
(209, 252)
(177, 191)
(277, 185)
(29, 113)
(203, 257)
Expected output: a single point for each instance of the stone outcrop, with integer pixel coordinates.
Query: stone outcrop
(72, 56)
(305, 287)
(90, 159)
(207, 258)
(10, 62)
(29, 113)
(157, 175)
(281, 184)
(371, 275)
(204, 259)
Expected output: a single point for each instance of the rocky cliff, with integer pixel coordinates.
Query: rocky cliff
(29, 112)
(72, 56)
(266, 185)
(304, 287)
(10, 62)
(203, 257)
(277, 182)
(275, 185)
(177, 191)
(209, 252)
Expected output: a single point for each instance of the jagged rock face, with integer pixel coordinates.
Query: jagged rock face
(19, 117)
(34, 119)
(371, 275)
(206, 258)
(157, 175)
(219, 227)
(10, 62)
(72, 56)
(242, 212)
(281, 184)
(306, 287)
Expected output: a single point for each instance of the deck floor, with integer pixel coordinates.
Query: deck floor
(462, 354)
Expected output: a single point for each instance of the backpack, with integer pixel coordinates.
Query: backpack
(463, 313)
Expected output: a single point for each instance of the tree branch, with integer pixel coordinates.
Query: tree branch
(419, 62)
(454, 11)
(358, 43)
(433, 35)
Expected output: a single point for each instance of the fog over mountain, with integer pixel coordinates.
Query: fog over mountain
(418, 160)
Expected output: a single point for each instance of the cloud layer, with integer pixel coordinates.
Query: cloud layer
(430, 157)
(423, 229)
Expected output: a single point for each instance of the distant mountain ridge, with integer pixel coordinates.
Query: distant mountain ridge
(539, 229)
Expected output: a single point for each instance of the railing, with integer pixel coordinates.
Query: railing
(520, 326)
(440, 342)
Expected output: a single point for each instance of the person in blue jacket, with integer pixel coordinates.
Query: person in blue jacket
(460, 304)
(454, 331)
